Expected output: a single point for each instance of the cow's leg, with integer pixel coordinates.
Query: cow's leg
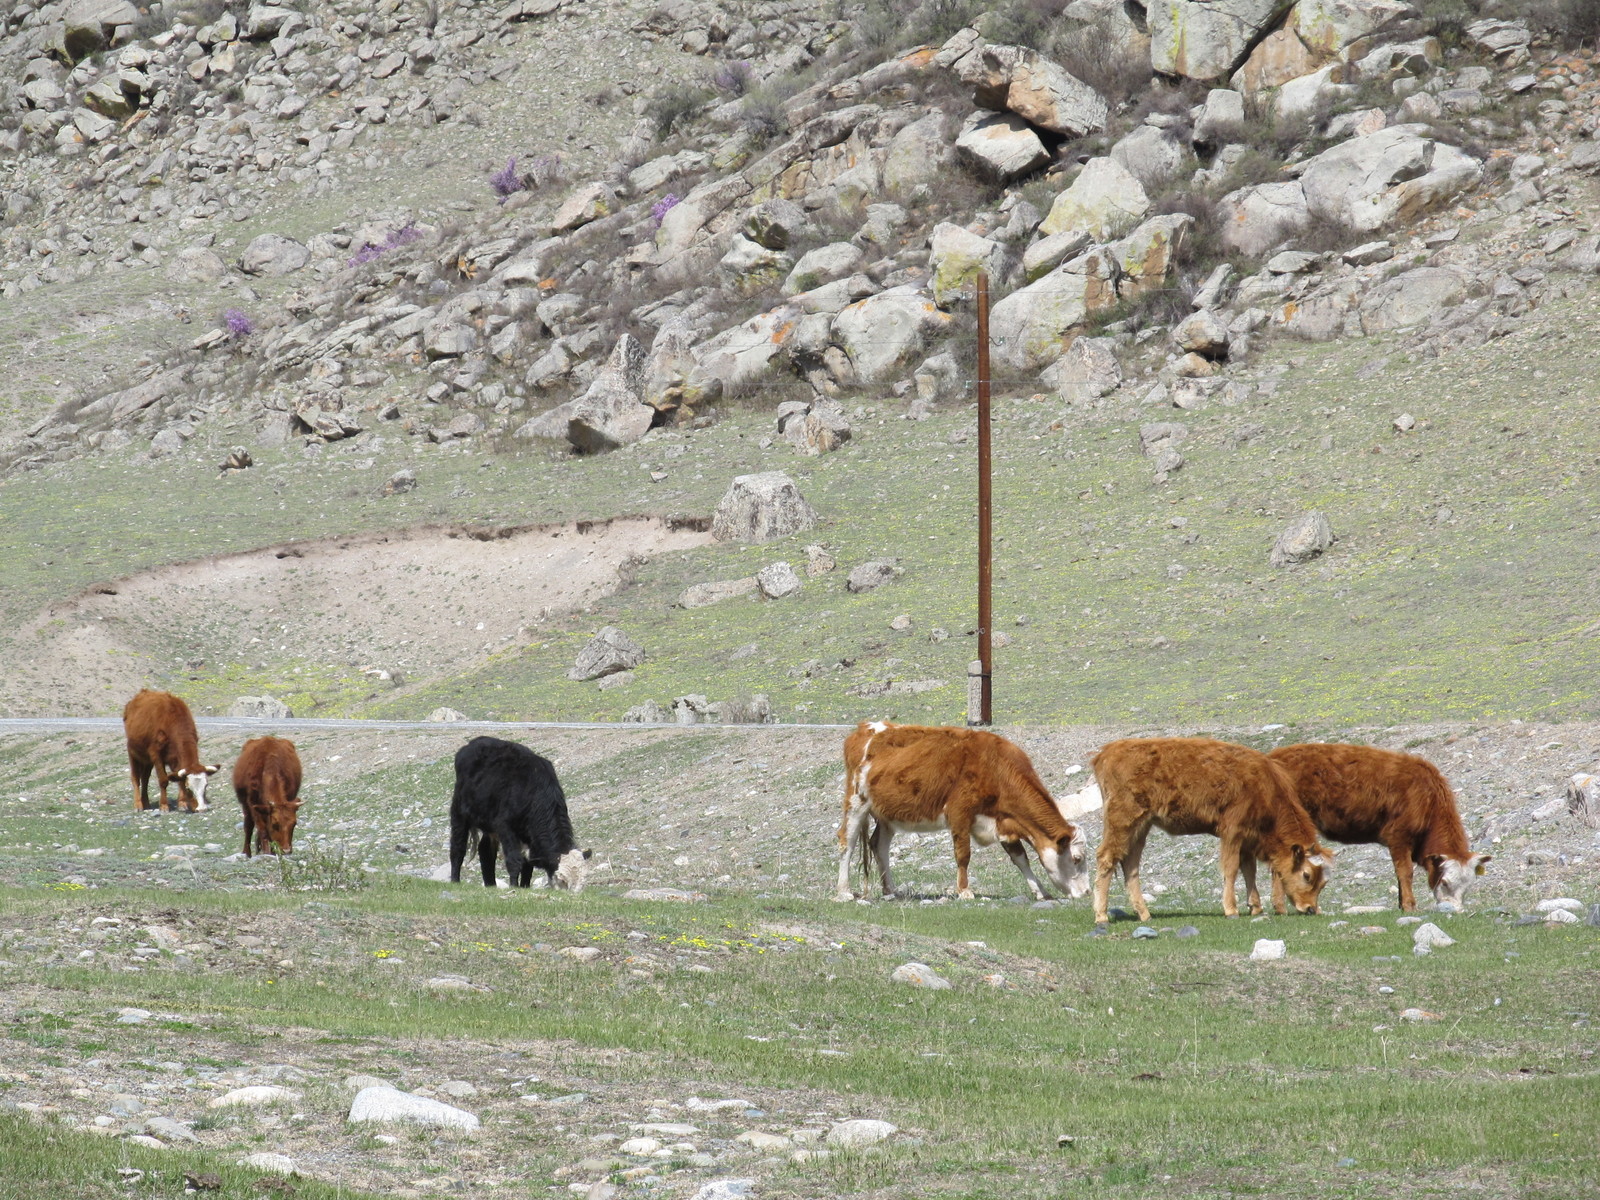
(512, 846)
(1229, 859)
(1247, 867)
(1130, 874)
(458, 846)
(488, 847)
(879, 840)
(961, 840)
(1113, 844)
(851, 830)
(249, 822)
(163, 779)
(1019, 857)
(1404, 869)
(527, 874)
(1280, 897)
(141, 783)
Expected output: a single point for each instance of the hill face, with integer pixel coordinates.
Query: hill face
(473, 269)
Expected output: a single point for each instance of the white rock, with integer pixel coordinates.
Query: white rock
(387, 1105)
(919, 975)
(673, 1129)
(696, 1104)
(133, 1016)
(758, 1139)
(1430, 935)
(583, 954)
(253, 1097)
(860, 1132)
(281, 1164)
(1561, 916)
(725, 1189)
(639, 1147)
(1268, 949)
(1545, 906)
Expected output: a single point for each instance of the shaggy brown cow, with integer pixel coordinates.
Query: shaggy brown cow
(1363, 794)
(918, 778)
(267, 781)
(162, 736)
(1197, 785)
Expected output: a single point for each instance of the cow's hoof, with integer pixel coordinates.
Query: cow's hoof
(843, 897)
(967, 894)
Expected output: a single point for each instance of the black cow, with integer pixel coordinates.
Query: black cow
(507, 797)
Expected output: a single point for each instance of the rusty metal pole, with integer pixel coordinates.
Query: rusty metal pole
(985, 503)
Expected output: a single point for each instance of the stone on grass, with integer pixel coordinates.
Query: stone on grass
(280, 1164)
(273, 254)
(702, 595)
(387, 1105)
(919, 975)
(608, 652)
(1430, 935)
(260, 706)
(760, 508)
(1420, 1014)
(1267, 950)
(1087, 371)
(169, 1130)
(1145, 931)
(725, 1189)
(1548, 906)
(447, 714)
(611, 412)
(253, 1097)
(1561, 916)
(665, 895)
(1304, 539)
(133, 1016)
(758, 1139)
(697, 1104)
(777, 580)
(873, 573)
(860, 1132)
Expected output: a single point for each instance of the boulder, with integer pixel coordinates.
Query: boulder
(1048, 253)
(1256, 219)
(1001, 147)
(612, 412)
(1385, 178)
(873, 573)
(919, 156)
(1329, 27)
(1146, 256)
(1087, 371)
(273, 254)
(587, 203)
(750, 265)
(1155, 157)
(863, 1131)
(608, 652)
(1304, 539)
(87, 25)
(774, 224)
(759, 508)
(1106, 200)
(957, 257)
(920, 975)
(836, 260)
(447, 715)
(386, 1105)
(1020, 80)
(880, 333)
(1031, 327)
(1278, 58)
(1412, 298)
(703, 595)
(1221, 118)
(738, 359)
(821, 429)
(196, 264)
(1204, 333)
(260, 706)
(777, 580)
(1207, 39)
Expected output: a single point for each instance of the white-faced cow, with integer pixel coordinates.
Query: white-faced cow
(1360, 794)
(1198, 785)
(266, 778)
(162, 737)
(507, 798)
(918, 778)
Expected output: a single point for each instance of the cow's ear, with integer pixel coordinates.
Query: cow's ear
(1483, 861)
(214, 769)
(1435, 861)
(587, 854)
(295, 803)
(1299, 853)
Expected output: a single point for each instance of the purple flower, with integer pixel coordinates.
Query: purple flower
(660, 209)
(507, 182)
(238, 323)
(403, 236)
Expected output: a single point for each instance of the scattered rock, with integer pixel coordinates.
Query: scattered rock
(777, 580)
(873, 573)
(862, 1131)
(253, 1097)
(761, 508)
(1304, 539)
(387, 1105)
(260, 706)
(279, 1164)
(446, 714)
(918, 975)
(608, 652)
(1268, 949)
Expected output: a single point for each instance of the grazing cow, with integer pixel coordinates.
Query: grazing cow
(508, 798)
(266, 778)
(1197, 785)
(1363, 794)
(918, 778)
(161, 735)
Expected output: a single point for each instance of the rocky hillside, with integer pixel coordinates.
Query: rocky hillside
(338, 229)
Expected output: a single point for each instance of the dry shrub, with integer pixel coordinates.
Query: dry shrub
(1092, 54)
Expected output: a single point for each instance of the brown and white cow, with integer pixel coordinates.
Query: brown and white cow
(162, 736)
(266, 778)
(919, 778)
(1199, 785)
(1360, 794)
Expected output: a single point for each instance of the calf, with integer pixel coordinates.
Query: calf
(266, 778)
(161, 735)
(508, 798)
(1363, 794)
(1197, 785)
(918, 778)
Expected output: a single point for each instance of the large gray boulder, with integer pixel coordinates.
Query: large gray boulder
(1328, 27)
(273, 254)
(1385, 178)
(873, 573)
(87, 25)
(612, 412)
(1031, 326)
(1304, 539)
(608, 652)
(1255, 219)
(1000, 146)
(1411, 298)
(837, 260)
(1146, 256)
(1208, 39)
(957, 257)
(1020, 80)
(879, 334)
(1155, 157)
(1087, 371)
(740, 358)
(919, 155)
(1106, 200)
(760, 508)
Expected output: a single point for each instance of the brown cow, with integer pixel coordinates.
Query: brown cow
(1198, 785)
(161, 735)
(267, 781)
(919, 778)
(1363, 794)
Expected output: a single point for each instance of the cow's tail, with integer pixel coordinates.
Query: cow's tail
(869, 856)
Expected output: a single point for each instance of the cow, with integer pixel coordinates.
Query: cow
(266, 778)
(976, 784)
(1199, 785)
(161, 735)
(1359, 794)
(507, 798)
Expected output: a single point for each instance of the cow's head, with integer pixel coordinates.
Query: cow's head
(193, 785)
(1304, 873)
(1067, 863)
(1449, 877)
(572, 870)
(279, 825)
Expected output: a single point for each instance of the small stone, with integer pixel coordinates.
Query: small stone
(725, 1189)
(903, 621)
(133, 1016)
(756, 1139)
(1545, 906)
(1420, 1014)
(253, 1097)
(696, 1104)
(1187, 931)
(386, 1104)
(582, 954)
(1268, 949)
(280, 1164)
(1430, 935)
(1561, 916)
(1405, 422)
(860, 1132)
(919, 975)
(639, 1147)
(1144, 931)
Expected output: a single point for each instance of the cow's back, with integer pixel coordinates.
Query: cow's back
(1353, 793)
(501, 784)
(1194, 785)
(268, 768)
(158, 721)
(911, 771)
